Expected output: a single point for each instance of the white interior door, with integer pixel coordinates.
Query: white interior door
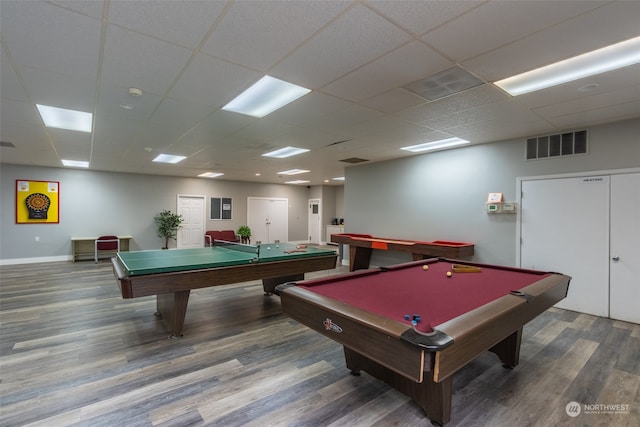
(564, 227)
(315, 221)
(191, 233)
(625, 253)
(268, 219)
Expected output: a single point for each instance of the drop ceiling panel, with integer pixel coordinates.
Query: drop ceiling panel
(418, 61)
(591, 102)
(627, 77)
(480, 95)
(394, 100)
(191, 57)
(197, 85)
(601, 115)
(9, 84)
(51, 38)
(19, 112)
(113, 98)
(135, 60)
(575, 36)
(181, 114)
(184, 23)
(308, 108)
(362, 37)
(277, 27)
(518, 19)
(60, 90)
(421, 16)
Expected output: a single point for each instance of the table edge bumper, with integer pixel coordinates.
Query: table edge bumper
(436, 341)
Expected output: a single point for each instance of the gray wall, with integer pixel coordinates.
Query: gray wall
(442, 195)
(94, 203)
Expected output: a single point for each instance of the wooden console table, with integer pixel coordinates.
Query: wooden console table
(84, 246)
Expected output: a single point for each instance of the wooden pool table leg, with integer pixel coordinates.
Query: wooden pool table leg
(434, 398)
(172, 308)
(359, 258)
(508, 350)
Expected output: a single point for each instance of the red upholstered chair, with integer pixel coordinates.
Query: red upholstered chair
(210, 236)
(106, 243)
(229, 236)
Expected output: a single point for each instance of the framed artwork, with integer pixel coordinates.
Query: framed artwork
(37, 202)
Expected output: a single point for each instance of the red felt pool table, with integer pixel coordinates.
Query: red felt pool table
(370, 312)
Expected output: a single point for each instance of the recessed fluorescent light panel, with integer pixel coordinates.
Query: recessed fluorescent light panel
(293, 172)
(75, 163)
(299, 181)
(444, 143)
(339, 178)
(598, 61)
(265, 96)
(286, 152)
(210, 174)
(62, 118)
(168, 158)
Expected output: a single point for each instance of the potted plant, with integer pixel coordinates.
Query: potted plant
(168, 224)
(245, 233)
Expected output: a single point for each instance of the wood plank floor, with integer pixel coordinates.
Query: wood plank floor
(74, 353)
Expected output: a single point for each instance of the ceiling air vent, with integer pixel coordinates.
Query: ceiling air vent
(561, 144)
(444, 83)
(7, 144)
(354, 160)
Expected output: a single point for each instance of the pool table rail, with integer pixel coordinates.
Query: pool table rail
(358, 329)
(497, 326)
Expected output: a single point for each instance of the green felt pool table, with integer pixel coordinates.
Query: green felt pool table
(171, 274)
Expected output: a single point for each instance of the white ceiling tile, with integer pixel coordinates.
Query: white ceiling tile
(594, 102)
(93, 8)
(572, 37)
(394, 100)
(47, 37)
(112, 98)
(60, 90)
(345, 51)
(459, 38)
(135, 60)
(453, 104)
(421, 16)
(277, 27)
(615, 80)
(197, 85)
(355, 38)
(418, 61)
(179, 113)
(10, 86)
(309, 107)
(182, 22)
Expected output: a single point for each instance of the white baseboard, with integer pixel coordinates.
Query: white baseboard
(14, 261)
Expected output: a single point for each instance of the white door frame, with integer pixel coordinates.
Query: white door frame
(204, 212)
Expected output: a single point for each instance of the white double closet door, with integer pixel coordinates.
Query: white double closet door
(589, 228)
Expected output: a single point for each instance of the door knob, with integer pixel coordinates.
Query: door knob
(616, 258)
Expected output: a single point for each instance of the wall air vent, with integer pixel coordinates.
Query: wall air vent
(561, 144)
(354, 160)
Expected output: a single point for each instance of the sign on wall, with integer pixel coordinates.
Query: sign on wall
(37, 202)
